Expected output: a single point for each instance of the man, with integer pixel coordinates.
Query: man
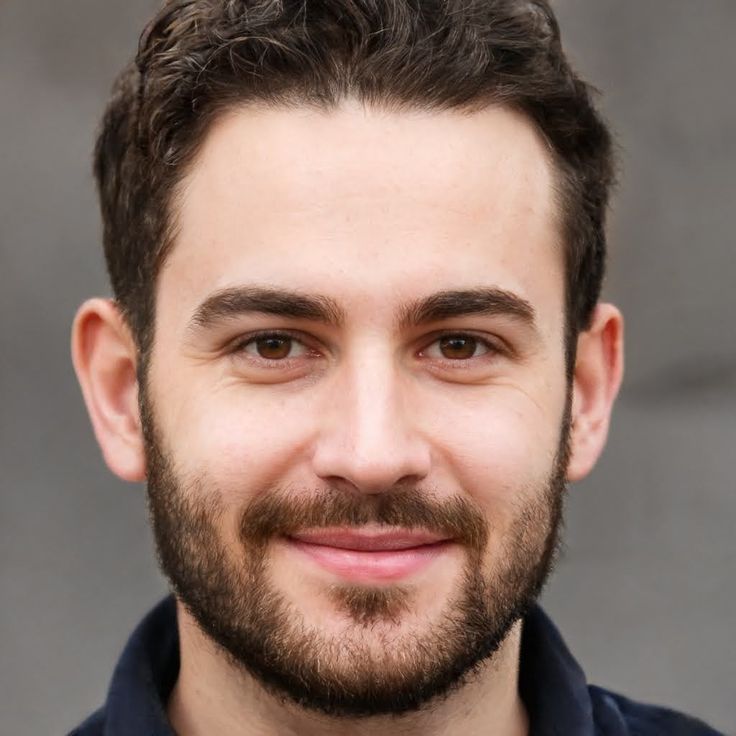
(356, 351)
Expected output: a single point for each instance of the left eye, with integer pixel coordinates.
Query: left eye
(273, 347)
(457, 347)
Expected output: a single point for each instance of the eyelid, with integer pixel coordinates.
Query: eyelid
(237, 346)
(495, 345)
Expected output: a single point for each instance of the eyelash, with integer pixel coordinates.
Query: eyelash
(240, 346)
(492, 348)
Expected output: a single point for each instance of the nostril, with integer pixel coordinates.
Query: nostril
(366, 439)
(375, 475)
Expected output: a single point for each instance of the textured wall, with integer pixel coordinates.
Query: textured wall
(646, 593)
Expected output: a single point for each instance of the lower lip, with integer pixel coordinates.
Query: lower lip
(361, 566)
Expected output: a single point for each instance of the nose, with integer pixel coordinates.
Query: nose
(367, 439)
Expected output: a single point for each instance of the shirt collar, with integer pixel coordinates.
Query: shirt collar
(145, 676)
(552, 685)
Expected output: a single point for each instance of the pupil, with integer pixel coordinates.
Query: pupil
(457, 348)
(274, 348)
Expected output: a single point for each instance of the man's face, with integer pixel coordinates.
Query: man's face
(356, 405)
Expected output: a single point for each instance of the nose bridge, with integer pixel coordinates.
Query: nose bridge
(368, 437)
(375, 404)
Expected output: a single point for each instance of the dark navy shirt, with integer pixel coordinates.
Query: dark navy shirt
(557, 697)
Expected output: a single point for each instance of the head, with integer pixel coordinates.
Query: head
(357, 252)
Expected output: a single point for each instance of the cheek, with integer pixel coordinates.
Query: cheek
(499, 448)
(245, 442)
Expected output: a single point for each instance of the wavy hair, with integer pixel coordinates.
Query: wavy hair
(198, 58)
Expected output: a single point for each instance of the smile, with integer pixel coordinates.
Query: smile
(370, 556)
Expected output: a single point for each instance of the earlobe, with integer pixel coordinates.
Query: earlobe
(105, 358)
(598, 373)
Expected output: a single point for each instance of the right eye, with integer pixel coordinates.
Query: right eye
(272, 347)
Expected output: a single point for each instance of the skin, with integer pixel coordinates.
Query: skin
(374, 211)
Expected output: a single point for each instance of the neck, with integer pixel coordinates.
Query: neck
(214, 696)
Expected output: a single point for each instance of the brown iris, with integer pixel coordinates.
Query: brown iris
(458, 347)
(273, 347)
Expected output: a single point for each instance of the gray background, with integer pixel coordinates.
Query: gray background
(646, 591)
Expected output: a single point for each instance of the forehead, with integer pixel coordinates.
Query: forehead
(367, 205)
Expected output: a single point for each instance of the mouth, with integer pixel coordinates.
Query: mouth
(370, 555)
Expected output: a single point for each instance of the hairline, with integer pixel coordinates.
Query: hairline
(295, 101)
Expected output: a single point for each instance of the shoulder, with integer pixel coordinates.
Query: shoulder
(642, 719)
(93, 726)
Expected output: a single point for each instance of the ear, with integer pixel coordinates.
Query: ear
(105, 359)
(599, 367)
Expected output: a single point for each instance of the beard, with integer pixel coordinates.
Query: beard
(372, 666)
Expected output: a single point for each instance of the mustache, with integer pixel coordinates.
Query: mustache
(282, 513)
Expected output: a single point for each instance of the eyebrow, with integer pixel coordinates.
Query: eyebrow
(232, 302)
(443, 305)
(488, 301)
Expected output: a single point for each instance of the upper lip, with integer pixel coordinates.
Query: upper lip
(369, 540)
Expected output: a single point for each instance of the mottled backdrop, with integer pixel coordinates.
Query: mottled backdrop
(645, 593)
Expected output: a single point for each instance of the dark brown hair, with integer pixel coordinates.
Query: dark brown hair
(199, 57)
